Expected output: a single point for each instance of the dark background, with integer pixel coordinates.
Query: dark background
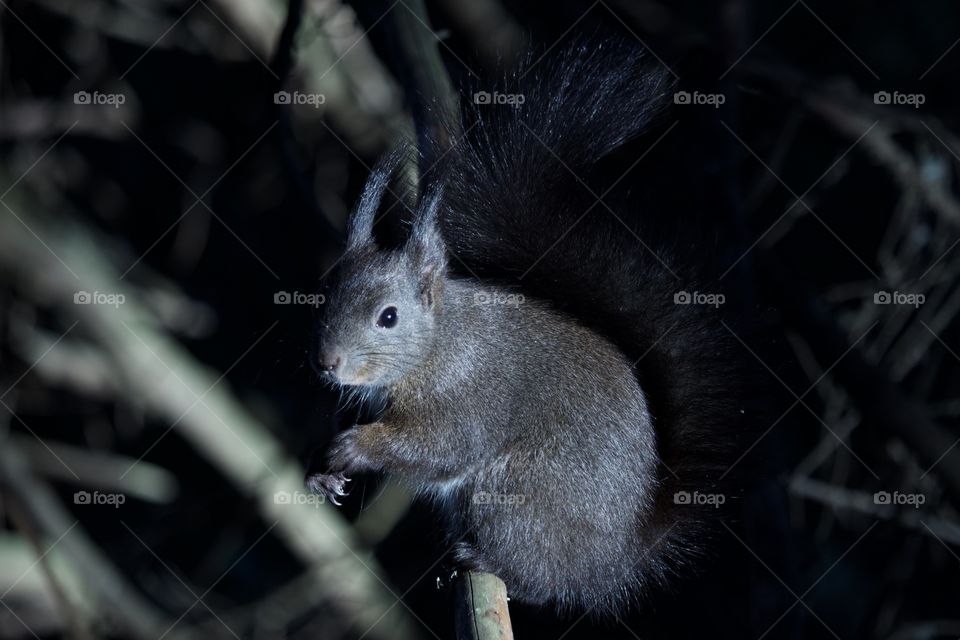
(199, 199)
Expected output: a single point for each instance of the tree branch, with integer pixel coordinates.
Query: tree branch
(481, 611)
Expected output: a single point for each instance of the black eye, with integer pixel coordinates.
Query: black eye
(388, 318)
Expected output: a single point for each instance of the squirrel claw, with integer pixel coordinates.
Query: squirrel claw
(328, 485)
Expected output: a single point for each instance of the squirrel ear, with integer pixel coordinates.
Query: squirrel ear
(427, 248)
(360, 224)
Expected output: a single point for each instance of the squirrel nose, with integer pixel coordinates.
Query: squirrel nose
(326, 365)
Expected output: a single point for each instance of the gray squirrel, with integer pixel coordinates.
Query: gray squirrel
(544, 386)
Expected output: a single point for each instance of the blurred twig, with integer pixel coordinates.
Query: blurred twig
(170, 383)
(360, 98)
(435, 103)
(42, 509)
(882, 403)
(850, 500)
(78, 619)
(881, 145)
(489, 27)
(140, 480)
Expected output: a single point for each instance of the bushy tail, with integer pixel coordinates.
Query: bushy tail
(523, 207)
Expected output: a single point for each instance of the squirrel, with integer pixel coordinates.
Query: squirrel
(545, 386)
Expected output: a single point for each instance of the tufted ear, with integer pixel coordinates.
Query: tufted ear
(360, 224)
(426, 248)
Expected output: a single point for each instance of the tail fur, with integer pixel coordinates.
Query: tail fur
(523, 206)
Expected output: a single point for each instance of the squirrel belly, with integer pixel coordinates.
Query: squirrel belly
(562, 460)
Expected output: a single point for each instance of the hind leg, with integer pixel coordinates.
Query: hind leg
(468, 556)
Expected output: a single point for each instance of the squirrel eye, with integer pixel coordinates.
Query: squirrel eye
(388, 318)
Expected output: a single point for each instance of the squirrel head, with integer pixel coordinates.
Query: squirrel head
(383, 306)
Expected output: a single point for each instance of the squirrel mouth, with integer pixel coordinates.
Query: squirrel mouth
(361, 377)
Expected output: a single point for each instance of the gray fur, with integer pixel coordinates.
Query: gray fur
(537, 405)
(495, 395)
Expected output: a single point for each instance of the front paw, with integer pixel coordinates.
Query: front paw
(344, 452)
(467, 555)
(331, 486)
